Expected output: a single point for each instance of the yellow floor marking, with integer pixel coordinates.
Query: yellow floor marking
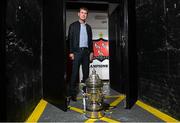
(76, 109)
(156, 112)
(34, 117)
(100, 114)
(82, 111)
(114, 103)
(90, 120)
(115, 96)
(117, 101)
(109, 120)
(106, 97)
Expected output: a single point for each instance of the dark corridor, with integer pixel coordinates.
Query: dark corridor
(144, 53)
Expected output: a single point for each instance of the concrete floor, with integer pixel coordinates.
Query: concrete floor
(116, 114)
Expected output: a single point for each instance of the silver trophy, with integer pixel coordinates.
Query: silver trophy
(93, 96)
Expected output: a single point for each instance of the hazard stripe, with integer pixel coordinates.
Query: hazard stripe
(106, 97)
(34, 117)
(114, 96)
(76, 109)
(117, 101)
(156, 112)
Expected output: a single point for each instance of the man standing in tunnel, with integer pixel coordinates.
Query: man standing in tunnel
(81, 50)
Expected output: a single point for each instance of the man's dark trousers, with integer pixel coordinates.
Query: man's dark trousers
(80, 57)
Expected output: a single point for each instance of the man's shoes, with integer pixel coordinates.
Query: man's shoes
(73, 98)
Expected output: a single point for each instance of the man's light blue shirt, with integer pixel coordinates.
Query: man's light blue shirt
(83, 36)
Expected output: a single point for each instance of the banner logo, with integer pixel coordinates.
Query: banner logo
(101, 49)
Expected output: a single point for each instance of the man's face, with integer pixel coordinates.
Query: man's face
(82, 14)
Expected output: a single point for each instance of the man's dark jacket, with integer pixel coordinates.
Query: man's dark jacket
(74, 36)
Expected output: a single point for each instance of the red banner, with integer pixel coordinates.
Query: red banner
(101, 49)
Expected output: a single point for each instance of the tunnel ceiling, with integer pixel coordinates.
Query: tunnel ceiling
(95, 1)
(91, 6)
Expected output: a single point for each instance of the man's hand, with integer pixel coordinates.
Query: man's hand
(91, 56)
(71, 55)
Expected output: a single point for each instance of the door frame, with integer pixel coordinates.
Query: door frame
(59, 8)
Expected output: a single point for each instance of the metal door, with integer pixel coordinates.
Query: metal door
(54, 53)
(122, 49)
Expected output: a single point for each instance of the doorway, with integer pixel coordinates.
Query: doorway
(98, 19)
(122, 74)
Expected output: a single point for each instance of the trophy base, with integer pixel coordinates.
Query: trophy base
(94, 115)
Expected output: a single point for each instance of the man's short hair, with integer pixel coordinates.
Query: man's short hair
(83, 8)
